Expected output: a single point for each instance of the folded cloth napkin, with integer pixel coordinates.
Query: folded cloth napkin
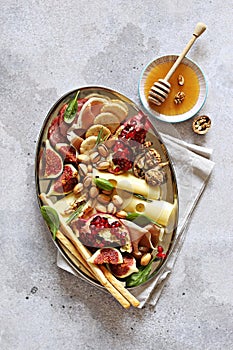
(192, 168)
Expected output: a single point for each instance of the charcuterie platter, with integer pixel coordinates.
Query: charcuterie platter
(107, 189)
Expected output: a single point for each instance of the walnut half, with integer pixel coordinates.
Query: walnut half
(201, 124)
(179, 97)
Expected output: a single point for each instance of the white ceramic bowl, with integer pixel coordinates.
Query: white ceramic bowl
(179, 117)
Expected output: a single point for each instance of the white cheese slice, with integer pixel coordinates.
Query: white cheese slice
(130, 183)
(159, 211)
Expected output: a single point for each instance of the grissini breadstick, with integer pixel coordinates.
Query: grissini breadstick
(117, 284)
(86, 254)
(80, 262)
(76, 261)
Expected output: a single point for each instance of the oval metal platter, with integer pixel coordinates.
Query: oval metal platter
(103, 168)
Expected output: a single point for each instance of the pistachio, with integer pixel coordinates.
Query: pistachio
(82, 169)
(78, 188)
(101, 208)
(93, 192)
(95, 157)
(117, 201)
(111, 208)
(87, 181)
(103, 198)
(103, 165)
(103, 151)
(145, 259)
(180, 80)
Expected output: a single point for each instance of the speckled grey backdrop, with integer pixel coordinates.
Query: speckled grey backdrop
(50, 47)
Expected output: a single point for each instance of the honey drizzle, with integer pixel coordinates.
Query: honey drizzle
(191, 88)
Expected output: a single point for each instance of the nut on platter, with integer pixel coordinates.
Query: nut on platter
(201, 124)
(107, 190)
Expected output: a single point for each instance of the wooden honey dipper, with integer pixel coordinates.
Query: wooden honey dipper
(161, 88)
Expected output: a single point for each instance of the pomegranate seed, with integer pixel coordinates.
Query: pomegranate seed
(161, 255)
(160, 249)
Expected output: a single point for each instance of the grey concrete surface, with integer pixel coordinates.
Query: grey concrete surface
(48, 48)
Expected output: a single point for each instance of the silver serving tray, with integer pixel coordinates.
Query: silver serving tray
(169, 190)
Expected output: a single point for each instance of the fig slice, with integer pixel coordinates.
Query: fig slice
(53, 162)
(126, 268)
(106, 255)
(65, 183)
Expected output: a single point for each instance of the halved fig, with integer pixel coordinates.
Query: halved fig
(65, 183)
(67, 152)
(126, 268)
(53, 162)
(107, 255)
(105, 230)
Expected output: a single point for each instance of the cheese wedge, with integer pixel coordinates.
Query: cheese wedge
(130, 183)
(159, 211)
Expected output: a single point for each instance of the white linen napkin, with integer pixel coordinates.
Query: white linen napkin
(192, 168)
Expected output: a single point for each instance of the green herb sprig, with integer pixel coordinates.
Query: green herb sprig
(52, 219)
(140, 196)
(100, 137)
(75, 213)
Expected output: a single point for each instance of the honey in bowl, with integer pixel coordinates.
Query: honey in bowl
(190, 88)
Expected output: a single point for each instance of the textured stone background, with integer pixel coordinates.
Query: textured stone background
(50, 47)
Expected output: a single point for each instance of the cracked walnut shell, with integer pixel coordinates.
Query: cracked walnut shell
(201, 124)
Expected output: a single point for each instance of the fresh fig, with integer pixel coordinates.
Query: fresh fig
(53, 162)
(65, 183)
(106, 256)
(67, 152)
(105, 230)
(126, 268)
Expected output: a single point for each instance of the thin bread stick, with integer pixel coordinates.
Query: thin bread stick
(69, 246)
(117, 295)
(76, 262)
(117, 284)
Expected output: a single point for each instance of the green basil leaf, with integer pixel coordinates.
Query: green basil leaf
(141, 220)
(52, 219)
(71, 110)
(141, 276)
(103, 184)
